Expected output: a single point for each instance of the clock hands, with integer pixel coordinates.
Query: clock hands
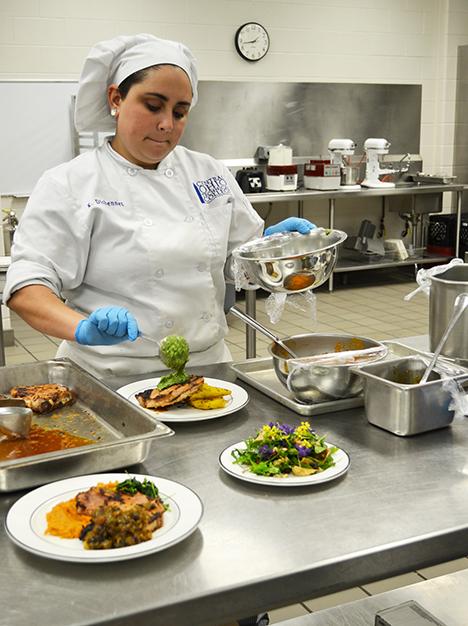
(252, 40)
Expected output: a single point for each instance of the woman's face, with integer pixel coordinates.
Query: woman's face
(152, 117)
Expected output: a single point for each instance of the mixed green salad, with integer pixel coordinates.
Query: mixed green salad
(280, 450)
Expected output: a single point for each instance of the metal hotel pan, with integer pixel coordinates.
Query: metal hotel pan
(122, 431)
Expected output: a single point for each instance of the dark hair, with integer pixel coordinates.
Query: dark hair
(133, 79)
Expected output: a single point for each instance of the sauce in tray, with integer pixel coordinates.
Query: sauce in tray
(40, 440)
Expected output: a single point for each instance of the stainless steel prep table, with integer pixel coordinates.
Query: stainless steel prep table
(403, 504)
(406, 189)
(301, 195)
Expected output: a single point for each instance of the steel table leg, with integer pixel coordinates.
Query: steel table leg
(251, 333)
(300, 208)
(2, 345)
(459, 213)
(331, 225)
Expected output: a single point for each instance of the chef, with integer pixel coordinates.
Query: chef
(134, 236)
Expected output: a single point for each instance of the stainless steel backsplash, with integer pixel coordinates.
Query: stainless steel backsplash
(232, 119)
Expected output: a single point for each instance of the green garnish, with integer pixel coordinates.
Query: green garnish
(174, 352)
(280, 450)
(176, 378)
(132, 486)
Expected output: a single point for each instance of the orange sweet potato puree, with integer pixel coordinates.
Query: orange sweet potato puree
(65, 521)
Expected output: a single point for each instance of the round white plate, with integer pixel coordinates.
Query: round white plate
(26, 520)
(238, 399)
(341, 466)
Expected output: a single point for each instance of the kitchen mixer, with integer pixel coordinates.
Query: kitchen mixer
(374, 148)
(340, 151)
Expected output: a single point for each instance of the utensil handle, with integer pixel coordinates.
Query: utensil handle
(148, 338)
(250, 321)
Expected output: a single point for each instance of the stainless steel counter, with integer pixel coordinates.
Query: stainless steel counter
(403, 504)
(334, 195)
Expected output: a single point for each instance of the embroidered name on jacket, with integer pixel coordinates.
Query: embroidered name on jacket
(106, 202)
(211, 188)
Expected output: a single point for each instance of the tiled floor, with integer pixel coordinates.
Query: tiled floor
(369, 305)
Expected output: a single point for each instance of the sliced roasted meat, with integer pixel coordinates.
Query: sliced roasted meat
(175, 394)
(44, 398)
(118, 519)
(96, 498)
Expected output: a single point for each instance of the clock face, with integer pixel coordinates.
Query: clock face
(252, 41)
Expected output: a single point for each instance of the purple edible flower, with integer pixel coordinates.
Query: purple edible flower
(265, 452)
(302, 450)
(286, 429)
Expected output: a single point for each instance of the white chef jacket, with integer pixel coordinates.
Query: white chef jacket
(100, 230)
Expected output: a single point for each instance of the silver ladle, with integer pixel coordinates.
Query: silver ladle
(257, 326)
(460, 304)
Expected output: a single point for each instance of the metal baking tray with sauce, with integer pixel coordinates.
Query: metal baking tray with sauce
(119, 433)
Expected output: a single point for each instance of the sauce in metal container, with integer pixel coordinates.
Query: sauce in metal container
(39, 441)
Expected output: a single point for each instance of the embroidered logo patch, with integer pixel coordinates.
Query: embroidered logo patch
(211, 188)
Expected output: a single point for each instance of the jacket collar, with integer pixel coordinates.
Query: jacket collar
(166, 162)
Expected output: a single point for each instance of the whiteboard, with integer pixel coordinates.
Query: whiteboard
(36, 131)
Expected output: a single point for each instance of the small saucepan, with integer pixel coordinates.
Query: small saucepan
(322, 371)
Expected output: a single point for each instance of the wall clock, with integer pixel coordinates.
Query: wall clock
(252, 41)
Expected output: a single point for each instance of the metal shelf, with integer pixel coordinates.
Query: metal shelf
(348, 265)
(338, 194)
(402, 189)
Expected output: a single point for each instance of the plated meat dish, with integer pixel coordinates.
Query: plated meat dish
(109, 515)
(170, 396)
(91, 500)
(44, 398)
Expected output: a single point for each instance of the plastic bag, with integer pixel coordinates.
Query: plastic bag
(423, 278)
(241, 280)
(459, 402)
(305, 302)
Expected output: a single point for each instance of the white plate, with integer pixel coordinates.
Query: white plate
(236, 401)
(26, 520)
(341, 466)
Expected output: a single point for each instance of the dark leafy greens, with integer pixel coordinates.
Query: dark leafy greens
(280, 450)
(132, 486)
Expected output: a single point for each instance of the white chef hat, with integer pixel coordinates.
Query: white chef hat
(114, 60)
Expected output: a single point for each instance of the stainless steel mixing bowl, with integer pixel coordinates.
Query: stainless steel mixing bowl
(315, 382)
(290, 262)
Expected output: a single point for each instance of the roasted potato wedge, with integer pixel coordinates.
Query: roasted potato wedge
(303, 471)
(208, 403)
(208, 391)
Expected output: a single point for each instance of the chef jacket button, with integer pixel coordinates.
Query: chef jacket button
(169, 324)
(205, 316)
(201, 267)
(131, 171)
(148, 222)
(189, 218)
(169, 173)
(159, 273)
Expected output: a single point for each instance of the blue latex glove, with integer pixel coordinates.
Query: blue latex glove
(107, 326)
(290, 224)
